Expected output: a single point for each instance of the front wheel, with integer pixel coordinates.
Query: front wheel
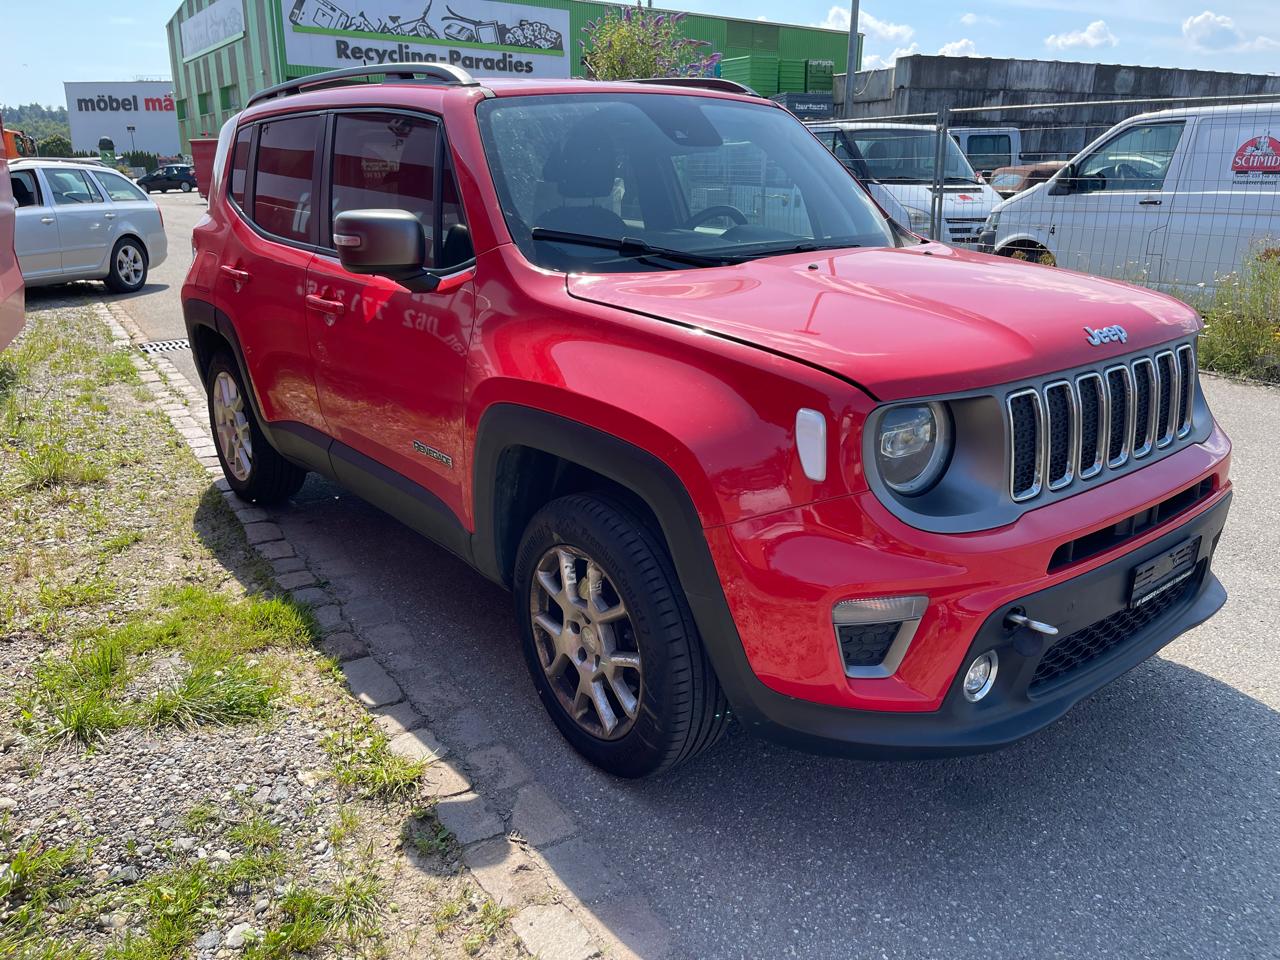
(253, 468)
(610, 641)
(185, 188)
(127, 270)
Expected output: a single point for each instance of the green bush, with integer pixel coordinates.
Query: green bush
(1242, 321)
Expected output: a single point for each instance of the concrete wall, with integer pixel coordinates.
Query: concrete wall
(925, 84)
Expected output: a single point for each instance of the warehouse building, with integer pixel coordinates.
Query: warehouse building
(1076, 102)
(222, 51)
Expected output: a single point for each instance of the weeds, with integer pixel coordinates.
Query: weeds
(1242, 322)
(231, 693)
(257, 834)
(349, 910)
(363, 761)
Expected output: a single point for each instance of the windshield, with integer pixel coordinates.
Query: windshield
(906, 156)
(712, 181)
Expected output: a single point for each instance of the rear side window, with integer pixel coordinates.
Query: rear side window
(71, 187)
(240, 164)
(118, 188)
(283, 192)
(386, 161)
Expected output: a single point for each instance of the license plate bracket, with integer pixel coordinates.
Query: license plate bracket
(1164, 572)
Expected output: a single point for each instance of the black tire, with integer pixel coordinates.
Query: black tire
(681, 708)
(270, 478)
(117, 280)
(185, 188)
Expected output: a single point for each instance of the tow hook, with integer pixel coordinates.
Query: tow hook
(1031, 634)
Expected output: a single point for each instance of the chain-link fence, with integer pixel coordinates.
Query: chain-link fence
(1176, 194)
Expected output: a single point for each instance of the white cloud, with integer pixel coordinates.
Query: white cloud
(875, 62)
(958, 48)
(872, 27)
(1096, 34)
(973, 19)
(1219, 34)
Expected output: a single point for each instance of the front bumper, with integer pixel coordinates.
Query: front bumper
(1015, 707)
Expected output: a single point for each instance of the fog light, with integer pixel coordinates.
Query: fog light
(981, 676)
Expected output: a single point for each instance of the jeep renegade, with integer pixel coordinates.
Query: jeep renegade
(649, 356)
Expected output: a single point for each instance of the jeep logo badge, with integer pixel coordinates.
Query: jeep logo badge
(1106, 335)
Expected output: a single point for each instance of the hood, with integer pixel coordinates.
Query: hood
(904, 322)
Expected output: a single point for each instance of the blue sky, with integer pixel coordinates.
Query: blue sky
(97, 41)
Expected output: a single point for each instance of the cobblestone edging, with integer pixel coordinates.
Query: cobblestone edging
(522, 848)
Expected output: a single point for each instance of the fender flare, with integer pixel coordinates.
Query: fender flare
(1020, 238)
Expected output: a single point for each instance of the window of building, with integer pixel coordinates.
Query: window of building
(71, 187)
(229, 96)
(180, 108)
(202, 103)
(386, 161)
(240, 164)
(283, 188)
(118, 188)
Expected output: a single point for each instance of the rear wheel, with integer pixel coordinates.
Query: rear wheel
(610, 641)
(128, 266)
(186, 187)
(253, 468)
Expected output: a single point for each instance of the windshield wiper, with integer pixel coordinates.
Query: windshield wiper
(630, 247)
(807, 247)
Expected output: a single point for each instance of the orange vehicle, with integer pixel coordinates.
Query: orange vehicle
(18, 144)
(12, 311)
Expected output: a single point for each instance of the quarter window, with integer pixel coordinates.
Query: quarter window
(1137, 159)
(118, 188)
(387, 161)
(25, 189)
(240, 164)
(71, 187)
(283, 193)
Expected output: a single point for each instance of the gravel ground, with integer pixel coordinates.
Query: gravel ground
(260, 810)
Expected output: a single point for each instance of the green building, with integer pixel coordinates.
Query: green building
(222, 51)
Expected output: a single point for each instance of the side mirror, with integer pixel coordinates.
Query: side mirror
(1066, 180)
(389, 243)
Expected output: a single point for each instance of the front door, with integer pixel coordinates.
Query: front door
(1111, 223)
(86, 226)
(389, 363)
(35, 236)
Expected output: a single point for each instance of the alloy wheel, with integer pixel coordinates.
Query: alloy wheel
(129, 265)
(586, 642)
(232, 424)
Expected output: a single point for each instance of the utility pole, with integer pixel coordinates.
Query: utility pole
(851, 64)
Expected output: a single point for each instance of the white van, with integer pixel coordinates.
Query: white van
(896, 161)
(989, 148)
(1176, 199)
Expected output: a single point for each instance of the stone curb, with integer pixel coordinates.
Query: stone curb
(516, 840)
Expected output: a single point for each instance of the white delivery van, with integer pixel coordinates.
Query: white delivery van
(989, 148)
(1176, 199)
(896, 161)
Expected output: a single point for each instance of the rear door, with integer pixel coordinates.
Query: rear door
(36, 227)
(11, 295)
(84, 229)
(270, 241)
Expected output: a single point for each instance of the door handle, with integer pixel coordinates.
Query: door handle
(1150, 203)
(331, 307)
(239, 276)
(108, 216)
(46, 219)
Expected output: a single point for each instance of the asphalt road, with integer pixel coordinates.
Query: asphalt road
(1144, 824)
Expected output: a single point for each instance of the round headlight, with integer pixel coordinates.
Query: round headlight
(912, 446)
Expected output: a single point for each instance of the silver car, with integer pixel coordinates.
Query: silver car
(80, 221)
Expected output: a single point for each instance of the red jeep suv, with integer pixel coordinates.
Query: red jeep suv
(646, 354)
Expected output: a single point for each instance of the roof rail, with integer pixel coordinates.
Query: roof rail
(426, 72)
(706, 83)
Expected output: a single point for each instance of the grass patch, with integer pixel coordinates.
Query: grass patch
(363, 761)
(348, 911)
(480, 920)
(49, 462)
(200, 818)
(257, 834)
(1242, 322)
(121, 542)
(36, 877)
(232, 692)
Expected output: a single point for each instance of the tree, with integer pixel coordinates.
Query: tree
(55, 146)
(629, 43)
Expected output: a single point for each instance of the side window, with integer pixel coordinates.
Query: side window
(26, 191)
(240, 164)
(71, 187)
(455, 246)
(118, 188)
(1137, 159)
(987, 151)
(386, 161)
(283, 192)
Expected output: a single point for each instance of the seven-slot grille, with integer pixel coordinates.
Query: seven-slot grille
(1080, 427)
